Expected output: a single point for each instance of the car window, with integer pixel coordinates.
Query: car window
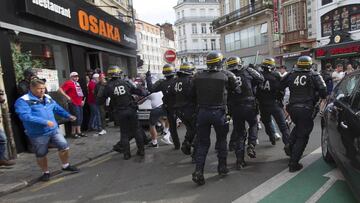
(347, 87)
(356, 102)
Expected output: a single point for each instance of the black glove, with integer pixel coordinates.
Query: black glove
(148, 74)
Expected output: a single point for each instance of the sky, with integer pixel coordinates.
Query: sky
(155, 11)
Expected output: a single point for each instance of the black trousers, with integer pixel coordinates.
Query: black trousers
(129, 127)
(242, 114)
(171, 116)
(187, 115)
(205, 119)
(278, 113)
(299, 137)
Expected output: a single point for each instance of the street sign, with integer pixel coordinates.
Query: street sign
(170, 56)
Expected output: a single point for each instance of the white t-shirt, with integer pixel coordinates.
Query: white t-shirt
(156, 99)
(336, 75)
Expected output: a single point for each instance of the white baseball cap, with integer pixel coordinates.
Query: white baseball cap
(96, 75)
(72, 74)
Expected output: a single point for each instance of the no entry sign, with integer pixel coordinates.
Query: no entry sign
(170, 56)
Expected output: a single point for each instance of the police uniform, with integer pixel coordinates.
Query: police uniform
(124, 109)
(211, 88)
(184, 106)
(243, 108)
(306, 87)
(165, 85)
(270, 101)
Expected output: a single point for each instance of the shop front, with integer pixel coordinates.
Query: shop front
(343, 53)
(57, 37)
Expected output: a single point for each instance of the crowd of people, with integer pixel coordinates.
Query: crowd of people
(212, 97)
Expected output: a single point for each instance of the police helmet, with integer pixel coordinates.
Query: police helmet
(304, 62)
(168, 70)
(233, 63)
(268, 63)
(214, 60)
(187, 68)
(29, 73)
(114, 72)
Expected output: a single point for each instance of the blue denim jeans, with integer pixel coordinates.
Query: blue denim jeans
(41, 144)
(3, 142)
(94, 122)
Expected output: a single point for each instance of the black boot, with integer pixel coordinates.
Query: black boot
(198, 177)
(293, 167)
(222, 167)
(186, 148)
(240, 162)
(140, 152)
(251, 151)
(118, 148)
(127, 155)
(273, 140)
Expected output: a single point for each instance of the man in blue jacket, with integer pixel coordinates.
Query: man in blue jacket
(36, 111)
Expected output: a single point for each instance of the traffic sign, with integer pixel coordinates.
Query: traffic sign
(170, 56)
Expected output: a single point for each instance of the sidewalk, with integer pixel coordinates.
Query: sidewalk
(26, 172)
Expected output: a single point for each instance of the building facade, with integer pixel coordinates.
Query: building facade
(120, 9)
(149, 46)
(298, 30)
(168, 40)
(247, 29)
(338, 33)
(58, 37)
(194, 31)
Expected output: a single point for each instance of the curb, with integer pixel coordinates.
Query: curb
(27, 183)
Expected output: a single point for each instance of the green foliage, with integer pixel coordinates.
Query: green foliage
(23, 61)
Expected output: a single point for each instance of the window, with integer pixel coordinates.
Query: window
(226, 7)
(185, 45)
(179, 31)
(211, 29)
(203, 28)
(184, 33)
(324, 2)
(183, 13)
(194, 28)
(212, 12)
(346, 88)
(205, 45)
(213, 44)
(244, 37)
(196, 60)
(251, 34)
(291, 17)
(229, 42)
(237, 4)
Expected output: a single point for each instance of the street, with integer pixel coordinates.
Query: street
(165, 176)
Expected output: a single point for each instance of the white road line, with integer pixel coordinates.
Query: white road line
(275, 182)
(333, 176)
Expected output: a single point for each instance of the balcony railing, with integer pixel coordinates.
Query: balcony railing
(295, 36)
(193, 51)
(241, 13)
(195, 19)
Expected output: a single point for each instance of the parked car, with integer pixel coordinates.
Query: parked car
(340, 138)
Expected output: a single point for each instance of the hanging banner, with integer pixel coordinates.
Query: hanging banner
(276, 17)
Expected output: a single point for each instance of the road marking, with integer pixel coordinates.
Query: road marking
(47, 184)
(333, 176)
(95, 163)
(275, 182)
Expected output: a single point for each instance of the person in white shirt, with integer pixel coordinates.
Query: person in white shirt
(338, 74)
(158, 114)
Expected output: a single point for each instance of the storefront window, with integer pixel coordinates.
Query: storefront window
(346, 18)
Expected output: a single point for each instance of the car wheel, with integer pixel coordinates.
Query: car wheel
(325, 146)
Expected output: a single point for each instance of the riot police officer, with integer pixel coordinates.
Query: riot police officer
(306, 86)
(124, 109)
(243, 108)
(164, 85)
(211, 88)
(184, 106)
(270, 101)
